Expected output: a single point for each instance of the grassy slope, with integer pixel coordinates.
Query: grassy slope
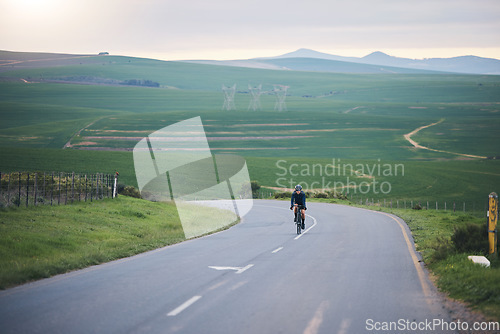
(42, 241)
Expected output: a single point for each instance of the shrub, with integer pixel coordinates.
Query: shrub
(120, 187)
(285, 194)
(471, 238)
(443, 248)
(321, 195)
(334, 194)
(255, 188)
(130, 191)
(254, 185)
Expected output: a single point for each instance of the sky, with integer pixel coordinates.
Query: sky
(234, 29)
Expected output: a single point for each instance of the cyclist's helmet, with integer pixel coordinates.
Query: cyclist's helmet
(298, 187)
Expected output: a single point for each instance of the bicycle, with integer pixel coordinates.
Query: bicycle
(299, 218)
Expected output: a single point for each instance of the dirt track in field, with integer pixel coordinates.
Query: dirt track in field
(417, 145)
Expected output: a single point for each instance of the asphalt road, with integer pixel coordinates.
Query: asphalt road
(352, 271)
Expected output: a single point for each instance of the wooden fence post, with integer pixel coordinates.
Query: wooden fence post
(66, 188)
(36, 188)
(27, 188)
(44, 190)
(19, 192)
(52, 189)
(72, 186)
(59, 189)
(91, 186)
(8, 191)
(79, 187)
(97, 186)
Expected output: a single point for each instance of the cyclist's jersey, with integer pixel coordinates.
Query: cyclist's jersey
(299, 199)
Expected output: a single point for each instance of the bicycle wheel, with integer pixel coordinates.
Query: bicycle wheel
(299, 224)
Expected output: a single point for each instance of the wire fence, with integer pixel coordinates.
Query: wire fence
(55, 188)
(474, 208)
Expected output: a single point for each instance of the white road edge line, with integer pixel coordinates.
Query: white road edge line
(244, 269)
(184, 306)
(277, 250)
(307, 230)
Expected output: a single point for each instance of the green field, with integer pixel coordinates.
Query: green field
(356, 122)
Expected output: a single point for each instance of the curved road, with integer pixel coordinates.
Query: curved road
(353, 271)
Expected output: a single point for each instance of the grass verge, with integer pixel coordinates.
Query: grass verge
(38, 242)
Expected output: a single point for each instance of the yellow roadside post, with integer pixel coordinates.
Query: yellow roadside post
(492, 222)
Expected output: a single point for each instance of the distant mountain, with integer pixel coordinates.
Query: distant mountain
(463, 64)
(308, 53)
(335, 66)
(313, 61)
(376, 62)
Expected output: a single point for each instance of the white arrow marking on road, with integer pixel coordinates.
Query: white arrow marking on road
(244, 268)
(224, 268)
(238, 270)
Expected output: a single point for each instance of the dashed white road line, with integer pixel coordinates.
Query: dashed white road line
(277, 250)
(184, 306)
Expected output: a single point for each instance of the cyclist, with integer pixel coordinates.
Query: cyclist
(299, 198)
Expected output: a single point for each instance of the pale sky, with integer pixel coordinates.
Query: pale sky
(225, 29)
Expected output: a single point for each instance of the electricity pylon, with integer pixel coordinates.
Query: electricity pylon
(280, 92)
(229, 97)
(255, 92)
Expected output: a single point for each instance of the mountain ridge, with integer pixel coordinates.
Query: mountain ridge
(468, 64)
